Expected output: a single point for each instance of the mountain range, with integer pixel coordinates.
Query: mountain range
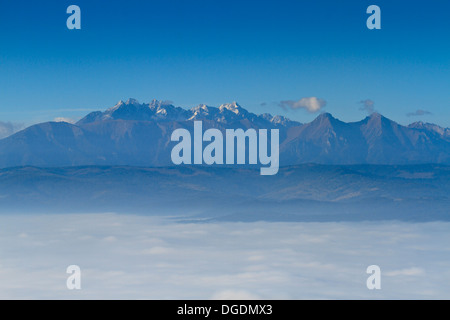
(135, 134)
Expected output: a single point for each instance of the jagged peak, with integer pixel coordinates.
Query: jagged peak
(233, 107)
(200, 107)
(325, 116)
(132, 101)
(421, 124)
(279, 118)
(379, 117)
(231, 112)
(444, 132)
(266, 116)
(121, 103)
(375, 115)
(116, 106)
(417, 124)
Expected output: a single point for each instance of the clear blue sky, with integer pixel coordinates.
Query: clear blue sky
(218, 51)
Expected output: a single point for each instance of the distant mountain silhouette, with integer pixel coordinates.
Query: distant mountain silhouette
(440, 132)
(131, 133)
(375, 140)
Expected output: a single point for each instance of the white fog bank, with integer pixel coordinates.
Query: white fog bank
(136, 257)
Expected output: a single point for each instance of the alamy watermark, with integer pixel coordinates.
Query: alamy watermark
(235, 140)
(374, 20)
(74, 280)
(374, 280)
(74, 20)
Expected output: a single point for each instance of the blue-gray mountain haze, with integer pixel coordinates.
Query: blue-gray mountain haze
(119, 161)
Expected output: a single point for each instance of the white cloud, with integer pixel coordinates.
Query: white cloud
(63, 119)
(156, 250)
(405, 272)
(138, 257)
(367, 105)
(311, 104)
(9, 128)
(418, 112)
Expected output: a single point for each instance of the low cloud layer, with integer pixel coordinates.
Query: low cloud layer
(310, 104)
(367, 105)
(418, 112)
(137, 257)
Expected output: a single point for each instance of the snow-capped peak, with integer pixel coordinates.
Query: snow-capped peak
(443, 132)
(200, 107)
(159, 110)
(117, 106)
(233, 107)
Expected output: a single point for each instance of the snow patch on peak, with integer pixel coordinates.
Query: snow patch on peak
(233, 107)
(117, 106)
(200, 107)
(417, 124)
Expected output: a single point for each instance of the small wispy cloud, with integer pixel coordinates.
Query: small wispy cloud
(405, 272)
(9, 128)
(367, 105)
(310, 104)
(418, 112)
(63, 119)
(167, 102)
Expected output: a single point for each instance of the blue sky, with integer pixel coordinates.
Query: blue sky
(255, 52)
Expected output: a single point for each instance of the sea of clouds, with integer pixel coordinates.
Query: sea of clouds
(139, 257)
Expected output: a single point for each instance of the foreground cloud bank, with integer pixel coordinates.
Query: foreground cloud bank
(144, 257)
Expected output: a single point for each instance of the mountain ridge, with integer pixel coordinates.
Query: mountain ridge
(165, 111)
(131, 133)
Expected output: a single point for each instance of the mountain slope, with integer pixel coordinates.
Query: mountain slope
(48, 144)
(391, 143)
(375, 140)
(325, 140)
